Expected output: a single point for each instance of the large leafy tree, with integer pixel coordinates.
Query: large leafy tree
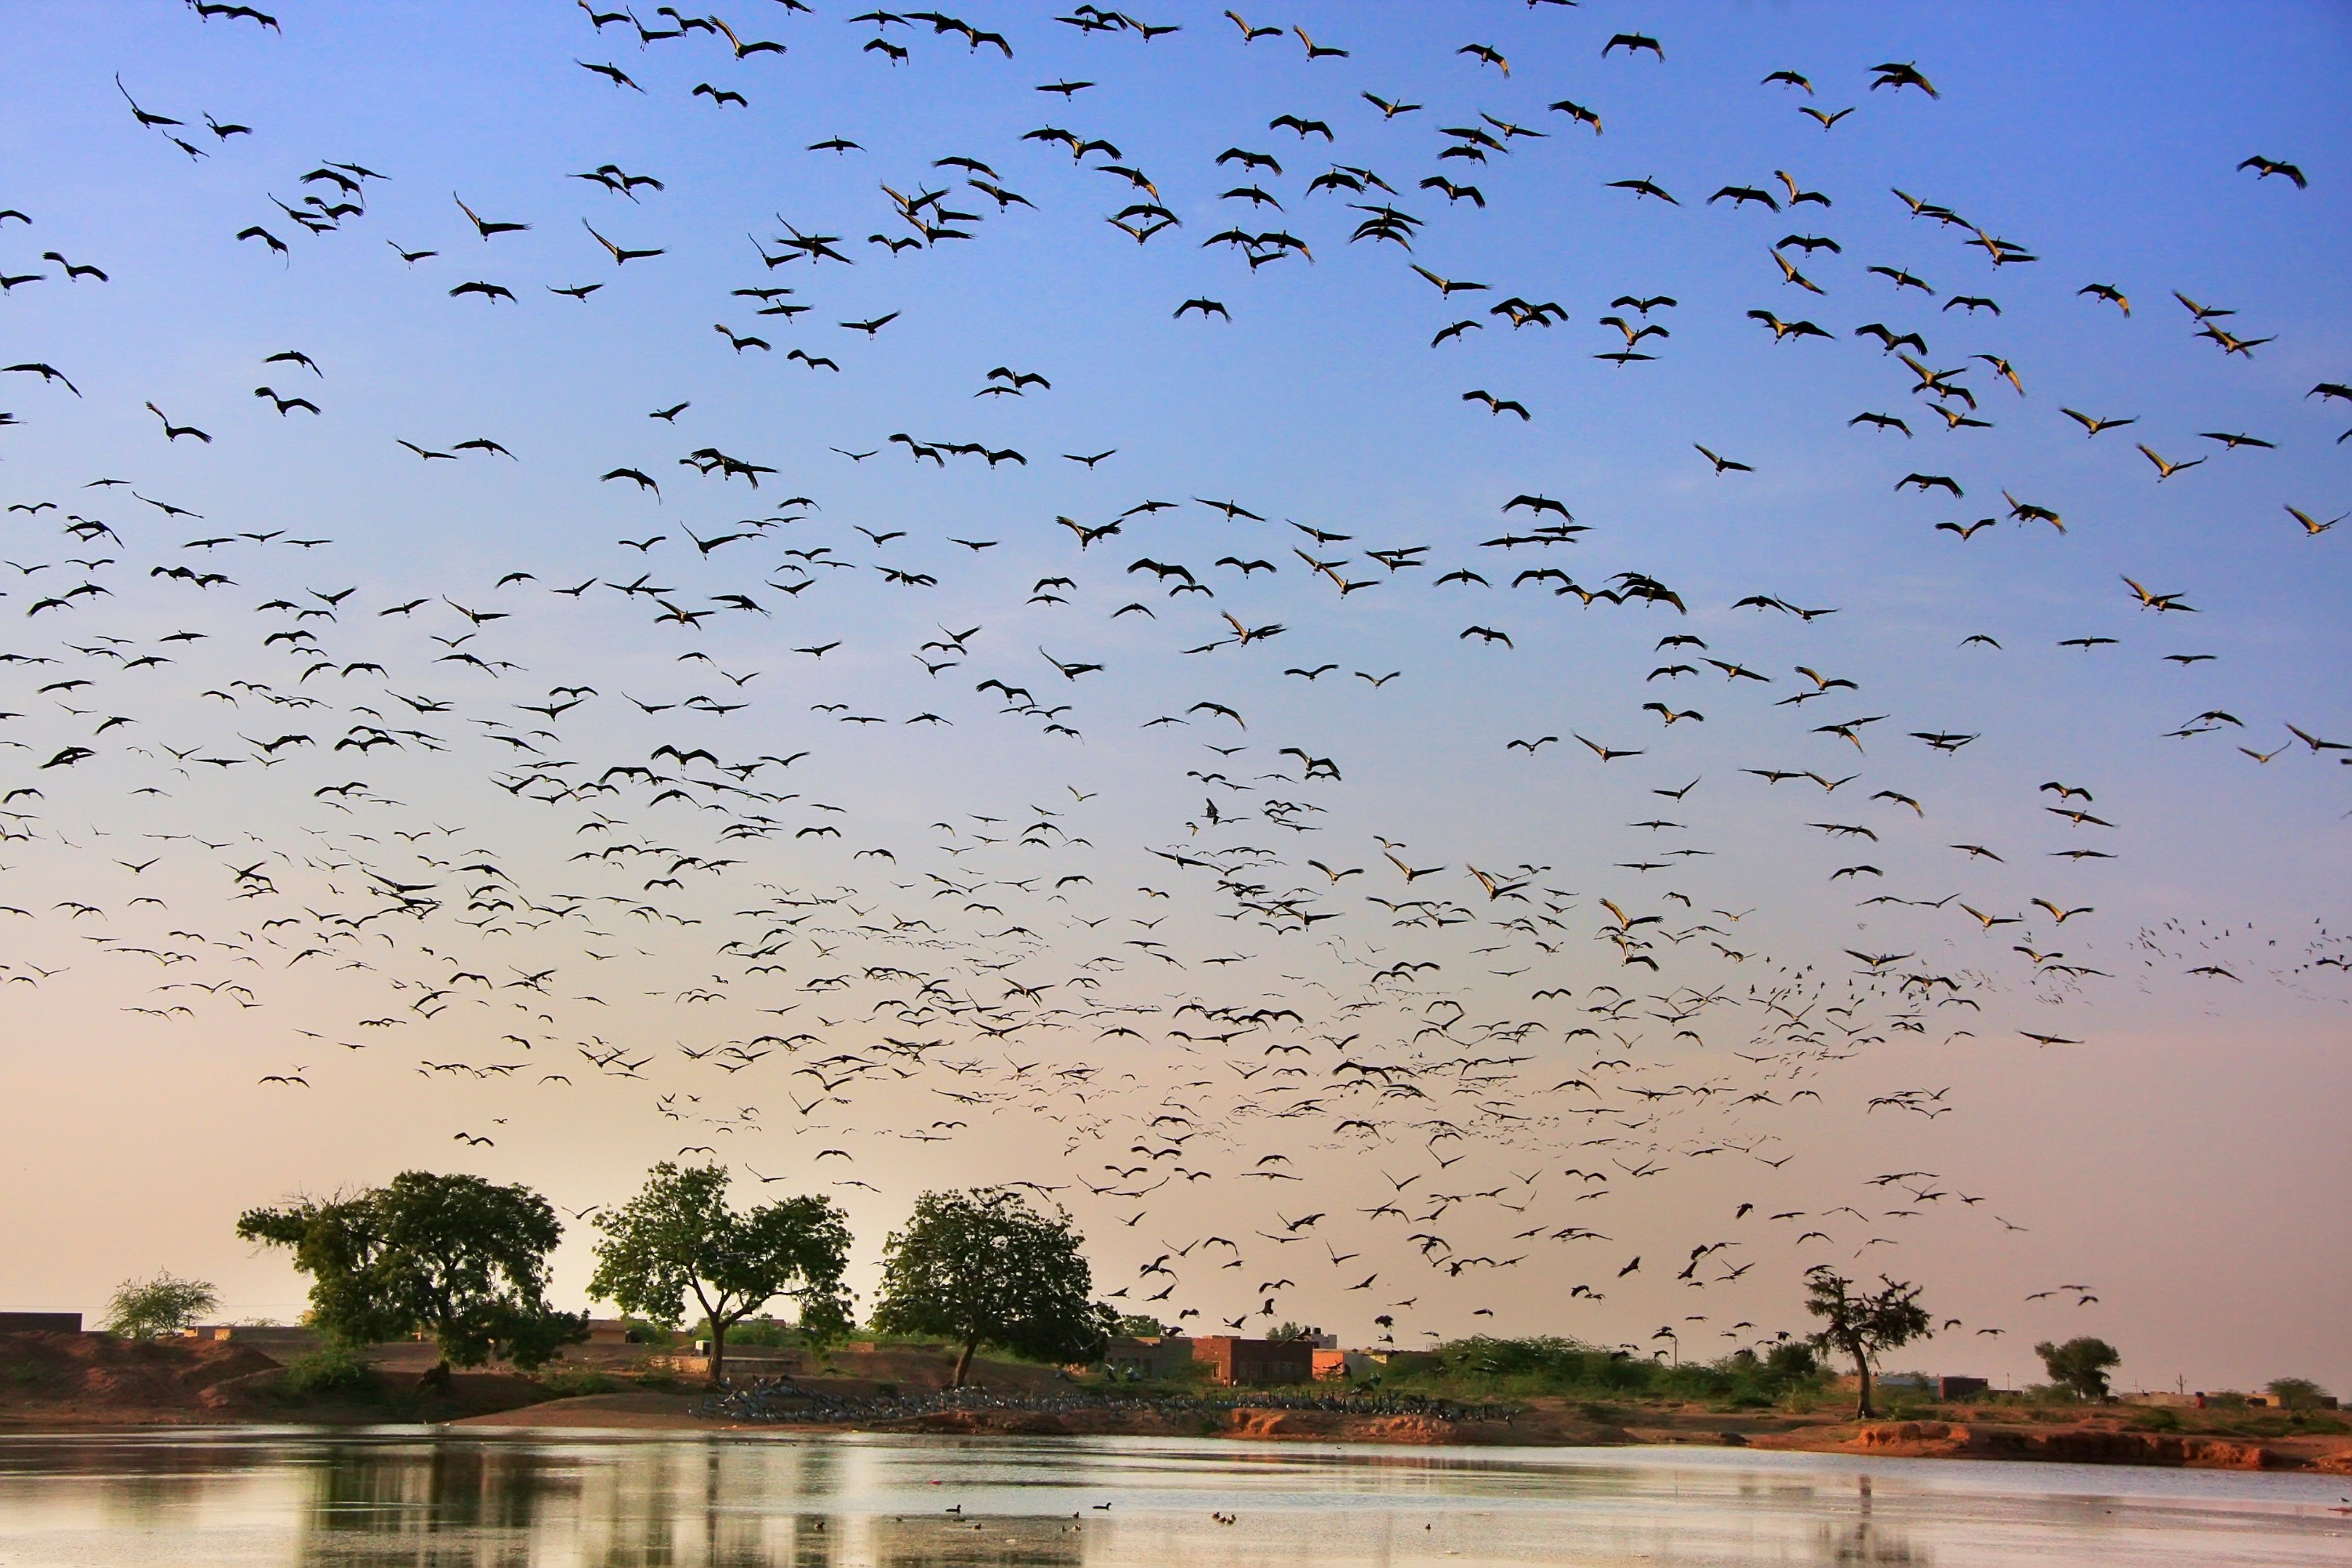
(2080, 1365)
(983, 1268)
(678, 1238)
(458, 1257)
(1862, 1324)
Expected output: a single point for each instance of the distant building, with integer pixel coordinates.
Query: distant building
(1950, 1388)
(40, 1323)
(1152, 1357)
(1256, 1362)
(1888, 1383)
(2272, 1402)
(1332, 1363)
(616, 1331)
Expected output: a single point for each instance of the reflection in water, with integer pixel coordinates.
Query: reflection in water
(426, 1499)
(459, 1504)
(1864, 1540)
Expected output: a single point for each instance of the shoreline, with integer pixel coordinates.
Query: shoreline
(2090, 1441)
(84, 1384)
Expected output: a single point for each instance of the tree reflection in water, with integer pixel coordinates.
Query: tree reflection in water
(424, 1498)
(1865, 1541)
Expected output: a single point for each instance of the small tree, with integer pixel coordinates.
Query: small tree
(145, 1308)
(454, 1256)
(678, 1237)
(1139, 1326)
(983, 1268)
(2295, 1393)
(2079, 1365)
(1861, 1326)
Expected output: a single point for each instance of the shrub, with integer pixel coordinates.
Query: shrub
(765, 1334)
(1508, 1368)
(144, 1309)
(330, 1369)
(571, 1381)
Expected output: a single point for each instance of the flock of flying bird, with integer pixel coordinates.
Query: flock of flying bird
(1423, 1078)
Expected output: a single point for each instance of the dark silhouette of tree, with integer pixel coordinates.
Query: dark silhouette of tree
(983, 1268)
(457, 1257)
(678, 1237)
(2080, 1365)
(2295, 1393)
(1861, 1326)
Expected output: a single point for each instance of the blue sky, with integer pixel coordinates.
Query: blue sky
(2103, 140)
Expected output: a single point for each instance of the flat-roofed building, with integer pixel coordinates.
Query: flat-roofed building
(1148, 1356)
(1256, 1362)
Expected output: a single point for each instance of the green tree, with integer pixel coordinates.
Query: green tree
(454, 1256)
(143, 1309)
(1139, 1326)
(2080, 1365)
(2295, 1393)
(678, 1237)
(1863, 1325)
(983, 1268)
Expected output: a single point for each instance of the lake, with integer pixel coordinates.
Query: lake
(428, 1498)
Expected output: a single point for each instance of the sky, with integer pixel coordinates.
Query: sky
(381, 856)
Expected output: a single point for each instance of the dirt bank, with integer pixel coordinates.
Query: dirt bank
(2091, 1441)
(59, 1381)
(640, 1411)
(52, 1381)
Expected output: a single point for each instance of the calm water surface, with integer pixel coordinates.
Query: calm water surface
(427, 1498)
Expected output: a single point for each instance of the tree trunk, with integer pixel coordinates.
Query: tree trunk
(963, 1362)
(1861, 1410)
(718, 1354)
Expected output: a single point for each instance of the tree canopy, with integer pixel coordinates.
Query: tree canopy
(2080, 1365)
(678, 1237)
(2295, 1393)
(983, 1268)
(142, 1309)
(455, 1256)
(1862, 1325)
